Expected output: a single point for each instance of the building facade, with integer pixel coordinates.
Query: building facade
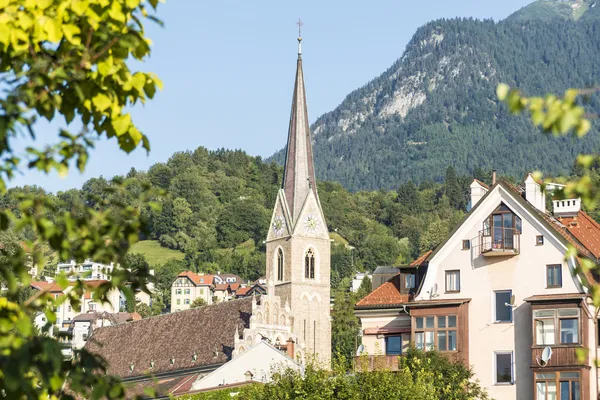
(188, 287)
(298, 243)
(501, 295)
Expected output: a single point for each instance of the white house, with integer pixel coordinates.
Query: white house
(256, 364)
(497, 292)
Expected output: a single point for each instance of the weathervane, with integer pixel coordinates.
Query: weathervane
(299, 23)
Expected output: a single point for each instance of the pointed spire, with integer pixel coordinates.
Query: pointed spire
(299, 174)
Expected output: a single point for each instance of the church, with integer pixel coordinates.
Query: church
(238, 342)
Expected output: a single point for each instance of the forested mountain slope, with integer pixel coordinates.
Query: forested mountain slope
(436, 106)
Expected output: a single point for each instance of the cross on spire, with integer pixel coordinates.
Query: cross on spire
(299, 23)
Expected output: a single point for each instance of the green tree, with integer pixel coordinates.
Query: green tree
(453, 190)
(66, 59)
(198, 302)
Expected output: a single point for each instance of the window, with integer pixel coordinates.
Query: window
(92, 307)
(452, 281)
(503, 306)
(568, 383)
(409, 281)
(438, 332)
(186, 291)
(547, 321)
(393, 345)
(502, 225)
(554, 276)
(279, 265)
(309, 264)
(178, 301)
(178, 291)
(69, 308)
(466, 244)
(504, 371)
(85, 337)
(186, 301)
(539, 240)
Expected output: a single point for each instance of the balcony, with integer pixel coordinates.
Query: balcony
(497, 241)
(376, 363)
(562, 356)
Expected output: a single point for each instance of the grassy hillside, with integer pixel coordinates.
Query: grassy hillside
(154, 253)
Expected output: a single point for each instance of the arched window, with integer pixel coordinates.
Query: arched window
(309, 264)
(279, 265)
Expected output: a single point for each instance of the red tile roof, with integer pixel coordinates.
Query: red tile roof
(386, 294)
(221, 286)
(421, 260)
(481, 183)
(51, 287)
(243, 291)
(197, 279)
(585, 230)
(234, 286)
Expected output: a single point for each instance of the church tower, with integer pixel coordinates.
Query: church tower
(298, 243)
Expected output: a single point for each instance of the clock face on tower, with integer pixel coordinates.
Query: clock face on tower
(278, 225)
(311, 223)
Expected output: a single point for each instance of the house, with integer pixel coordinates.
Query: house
(256, 365)
(83, 325)
(86, 270)
(254, 290)
(357, 280)
(187, 287)
(65, 312)
(227, 278)
(496, 293)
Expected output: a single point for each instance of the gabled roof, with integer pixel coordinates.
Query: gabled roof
(221, 286)
(51, 287)
(242, 291)
(383, 270)
(421, 260)
(386, 295)
(198, 280)
(207, 332)
(481, 184)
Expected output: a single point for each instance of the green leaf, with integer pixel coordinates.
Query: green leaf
(502, 91)
(121, 124)
(70, 31)
(105, 66)
(53, 29)
(101, 101)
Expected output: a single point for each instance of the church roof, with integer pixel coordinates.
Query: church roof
(170, 341)
(299, 174)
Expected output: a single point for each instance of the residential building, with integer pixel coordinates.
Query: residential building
(85, 270)
(227, 278)
(496, 293)
(83, 325)
(357, 280)
(188, 287)
(65, 312)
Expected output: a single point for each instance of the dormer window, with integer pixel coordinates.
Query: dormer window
(501, 231)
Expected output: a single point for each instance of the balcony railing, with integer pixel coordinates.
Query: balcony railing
(376, 363)
(498, 241)
(562, 356)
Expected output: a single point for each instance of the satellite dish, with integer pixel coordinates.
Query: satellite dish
(360, 350)
(512, 302)
(546, 355)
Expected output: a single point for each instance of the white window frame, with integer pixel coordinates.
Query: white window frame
(512, 367)
(512, 314)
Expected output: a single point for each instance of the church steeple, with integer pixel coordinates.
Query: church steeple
(299, 174)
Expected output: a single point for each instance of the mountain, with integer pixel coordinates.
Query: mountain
(552, 9)
(436, 106)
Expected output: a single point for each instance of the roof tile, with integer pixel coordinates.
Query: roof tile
(386, 294)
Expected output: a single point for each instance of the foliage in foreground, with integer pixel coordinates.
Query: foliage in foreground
(68, 59)
(422, 376)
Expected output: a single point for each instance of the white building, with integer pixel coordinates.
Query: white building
(497, 292)
(357, 280)
(86, 270)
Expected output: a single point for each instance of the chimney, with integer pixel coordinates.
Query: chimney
(493, 177)
(478, 190)
(534, 194)
(290, 349)
(566, 207)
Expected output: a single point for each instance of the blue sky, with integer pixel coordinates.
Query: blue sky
(228, 69)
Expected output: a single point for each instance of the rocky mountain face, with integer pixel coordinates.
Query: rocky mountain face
(436, 105)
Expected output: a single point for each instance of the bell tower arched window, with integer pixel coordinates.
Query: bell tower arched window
(309, 264)
(279, 265)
